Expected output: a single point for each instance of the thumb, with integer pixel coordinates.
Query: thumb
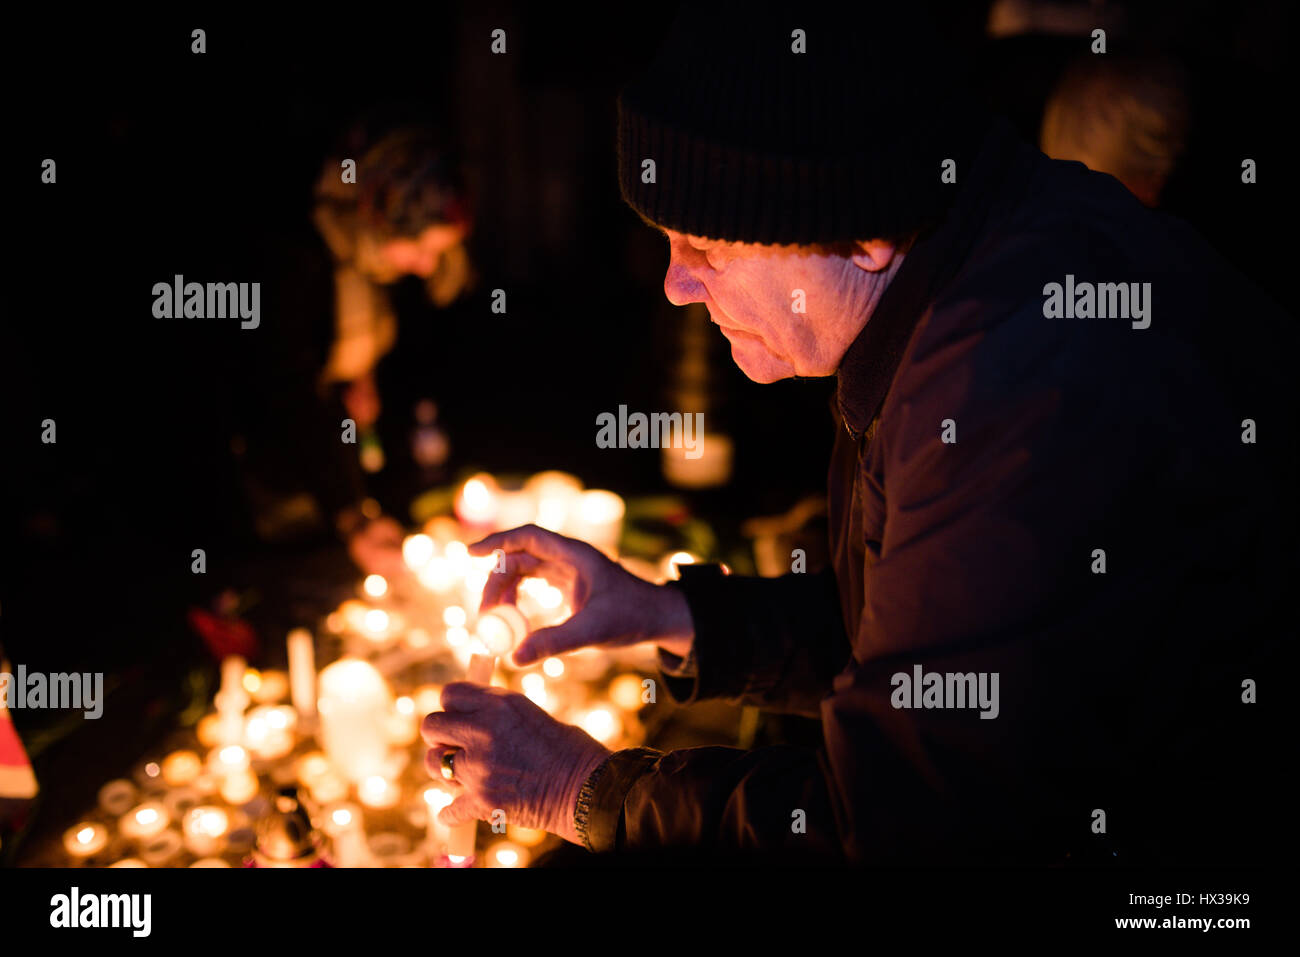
(578, 632)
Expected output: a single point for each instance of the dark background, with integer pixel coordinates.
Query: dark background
(171, 163)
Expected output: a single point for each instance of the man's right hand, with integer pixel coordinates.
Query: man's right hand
(611, 606)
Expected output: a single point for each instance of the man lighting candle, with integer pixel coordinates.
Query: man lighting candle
(1072, 517)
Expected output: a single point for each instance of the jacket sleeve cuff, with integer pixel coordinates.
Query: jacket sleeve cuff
(598, 816)
(719, 660)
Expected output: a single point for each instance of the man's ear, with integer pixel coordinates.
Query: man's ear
(873, 255)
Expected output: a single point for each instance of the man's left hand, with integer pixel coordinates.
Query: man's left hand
(510, 756)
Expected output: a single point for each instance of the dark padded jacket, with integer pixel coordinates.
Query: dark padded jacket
(1072, 504)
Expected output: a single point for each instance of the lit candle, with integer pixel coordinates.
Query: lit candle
(436, 833)
(602, 723)
(209, 730)
(344, 826)
(329, 787)
(267, 732)
(462, 837)
(302, 673)
(180, 768)
(354, 706)
(527, 836)
(85, 839)
(378, 792)
(272, 688)
(311, 767)
(403, 723)
(478, 502)
(500, 630)
(428, 698)
(376, 586)
(417, 550)
(626, 692)
(228, 760)
(556, 494)
(144, 821)
(599, 519)
(507, 854)
(205, 830)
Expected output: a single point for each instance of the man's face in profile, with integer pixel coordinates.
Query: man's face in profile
(786, 310)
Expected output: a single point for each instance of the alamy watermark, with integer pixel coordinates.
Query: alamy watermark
(933, 689)
(1103, 300)
(179, 299)
(36, 690)
(658, 430)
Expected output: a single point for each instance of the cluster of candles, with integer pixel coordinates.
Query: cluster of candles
(347, 737)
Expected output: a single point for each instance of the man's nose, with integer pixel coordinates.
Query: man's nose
(680, 285)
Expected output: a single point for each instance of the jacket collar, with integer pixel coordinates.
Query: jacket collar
(869, 365)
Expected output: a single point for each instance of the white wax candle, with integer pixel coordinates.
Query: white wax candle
(461, 838)
(355, 704)
(302, 672)
(436, 833)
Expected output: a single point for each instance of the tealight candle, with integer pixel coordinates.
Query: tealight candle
(354, 706)
(144, 821)
(205, 830)
(179, 801)
(507, 854)
(228, 759)
(239, 787)
(117, 797)
(161, 848)
(302, 673)
(85, 839)
(180, 768)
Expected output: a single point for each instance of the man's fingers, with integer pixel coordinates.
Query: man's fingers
(453, 728)
(532, 539)
(578, 632)
(433, 761)
(460, 811)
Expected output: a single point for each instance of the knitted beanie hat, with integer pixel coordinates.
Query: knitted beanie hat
(795, 125)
